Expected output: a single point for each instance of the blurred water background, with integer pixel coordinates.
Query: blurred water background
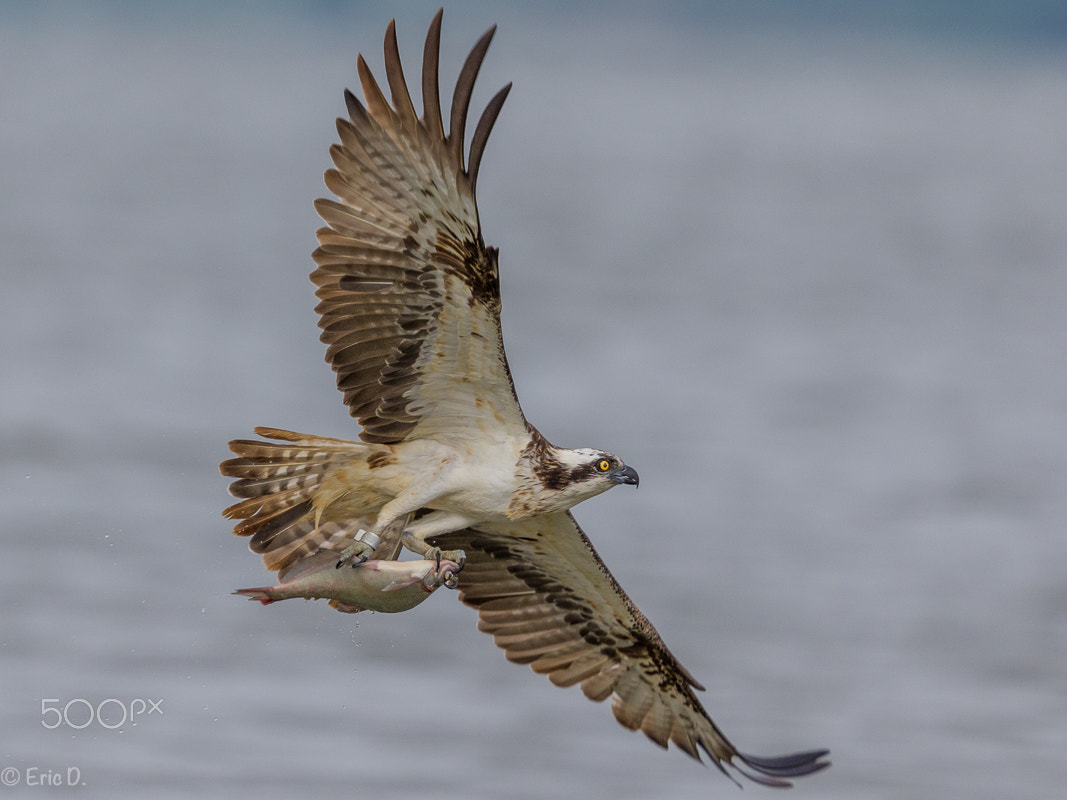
(803, 265)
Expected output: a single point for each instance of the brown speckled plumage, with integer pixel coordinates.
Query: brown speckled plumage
(409, 305)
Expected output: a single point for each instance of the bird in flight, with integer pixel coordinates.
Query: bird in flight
(447, 466)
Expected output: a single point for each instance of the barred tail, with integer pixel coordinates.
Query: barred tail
(278, 482)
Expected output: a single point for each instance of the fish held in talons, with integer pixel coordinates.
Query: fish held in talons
(386, 586)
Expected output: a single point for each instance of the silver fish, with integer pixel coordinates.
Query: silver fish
(387, 586)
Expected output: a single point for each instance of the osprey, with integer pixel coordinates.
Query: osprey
(446, 464)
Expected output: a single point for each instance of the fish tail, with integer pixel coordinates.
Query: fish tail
(261, 594)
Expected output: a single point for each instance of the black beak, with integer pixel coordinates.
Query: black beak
(627, 475)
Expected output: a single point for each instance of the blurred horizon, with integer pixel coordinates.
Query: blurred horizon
(801, 264)
(1036, 20)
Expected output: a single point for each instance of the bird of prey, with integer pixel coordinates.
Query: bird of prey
(446, 465)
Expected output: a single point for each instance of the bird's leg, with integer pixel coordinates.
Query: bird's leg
(360, 550)
(414, 538)
(401, 505)
(432, 553)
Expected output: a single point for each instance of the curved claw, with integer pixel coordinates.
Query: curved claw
(437, 555)
(459, 558)
(448, 574)
(353, 561)
(356, 553)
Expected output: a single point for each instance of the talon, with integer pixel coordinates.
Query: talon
(360, 550)
(354, 561)
(457, 557)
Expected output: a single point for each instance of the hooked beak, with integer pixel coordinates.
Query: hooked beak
(627, 475)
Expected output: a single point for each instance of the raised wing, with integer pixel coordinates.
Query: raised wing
(410, 298)
(549, 601)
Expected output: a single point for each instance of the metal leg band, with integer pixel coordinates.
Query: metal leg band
(369, 538)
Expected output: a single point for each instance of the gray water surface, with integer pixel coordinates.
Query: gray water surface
(811, 285)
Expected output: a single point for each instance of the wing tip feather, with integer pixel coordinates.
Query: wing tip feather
(776, 770)
(481, 133)
(461, 96)
(431, 89)
(394, 73)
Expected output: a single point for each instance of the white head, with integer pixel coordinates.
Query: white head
(576, 475)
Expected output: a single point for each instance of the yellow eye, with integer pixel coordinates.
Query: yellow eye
(604, 465)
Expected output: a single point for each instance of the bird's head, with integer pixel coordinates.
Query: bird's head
(579, 474)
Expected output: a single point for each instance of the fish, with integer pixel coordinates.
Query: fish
(386, 586)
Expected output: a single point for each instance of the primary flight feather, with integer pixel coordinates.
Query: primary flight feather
(447, 464)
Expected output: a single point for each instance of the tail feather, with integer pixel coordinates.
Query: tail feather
(289, 537)
(282, 481)
(277, 484)
(254, 513)
(279, 529)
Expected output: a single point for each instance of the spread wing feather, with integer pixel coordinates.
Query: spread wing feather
(409, 294)
(548, 600)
